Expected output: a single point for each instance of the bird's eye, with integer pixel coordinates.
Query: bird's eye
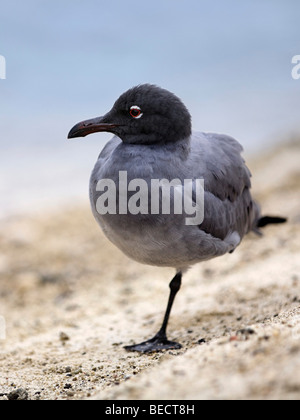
(136, 112)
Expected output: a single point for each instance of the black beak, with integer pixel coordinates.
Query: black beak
(87, 127)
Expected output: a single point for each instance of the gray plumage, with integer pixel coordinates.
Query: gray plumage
(154, 140)
(161, 240)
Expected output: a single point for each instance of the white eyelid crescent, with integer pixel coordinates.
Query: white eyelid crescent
(138, 109)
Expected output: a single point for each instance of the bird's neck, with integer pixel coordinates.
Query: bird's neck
(181, 147)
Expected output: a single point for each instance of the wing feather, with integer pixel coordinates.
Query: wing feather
(228, 203)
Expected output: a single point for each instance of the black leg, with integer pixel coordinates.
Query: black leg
(159, 341)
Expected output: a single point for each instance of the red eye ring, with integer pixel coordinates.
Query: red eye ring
(136, 112)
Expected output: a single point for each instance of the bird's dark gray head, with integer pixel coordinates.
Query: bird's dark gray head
(145, 114)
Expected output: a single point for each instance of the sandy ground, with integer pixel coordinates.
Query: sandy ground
(70, 301)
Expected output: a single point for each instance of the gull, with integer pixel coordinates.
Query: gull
(153, 140)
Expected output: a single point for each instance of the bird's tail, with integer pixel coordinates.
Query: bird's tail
(262, 221)
(270, 220)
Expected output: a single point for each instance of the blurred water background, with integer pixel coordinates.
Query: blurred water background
(68, 60)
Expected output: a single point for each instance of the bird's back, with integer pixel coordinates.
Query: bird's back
(228, 202)
(166, 240)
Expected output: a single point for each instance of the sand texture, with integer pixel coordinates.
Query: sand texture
(71, 301)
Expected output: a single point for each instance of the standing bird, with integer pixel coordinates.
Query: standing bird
(154, 140)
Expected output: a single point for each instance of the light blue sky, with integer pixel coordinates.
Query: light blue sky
(67, 60)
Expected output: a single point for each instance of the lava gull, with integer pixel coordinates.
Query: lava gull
(165, 195)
